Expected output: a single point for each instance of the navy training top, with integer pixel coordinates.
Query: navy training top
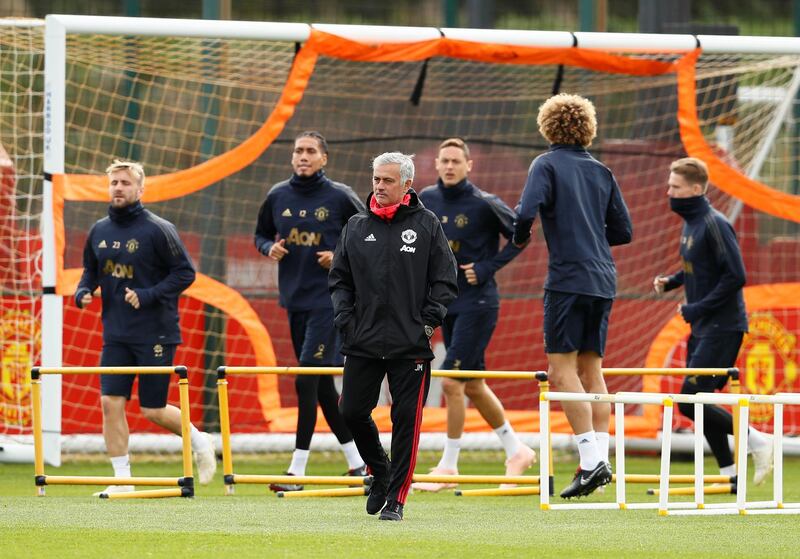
(583, 214)
(713, 272)
(309, 212)
(473, 221)
(135, 248)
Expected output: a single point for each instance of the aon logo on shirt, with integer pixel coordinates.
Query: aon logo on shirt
(406, 248)
(117, 270)
(303, 238)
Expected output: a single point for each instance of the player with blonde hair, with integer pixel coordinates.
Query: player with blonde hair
(712, 276)
(141, 266)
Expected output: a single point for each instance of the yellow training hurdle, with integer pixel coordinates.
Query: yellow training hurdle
(184, 486)
(338, 492)
(231, 479)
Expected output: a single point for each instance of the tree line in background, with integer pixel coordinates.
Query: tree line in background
(752, 17)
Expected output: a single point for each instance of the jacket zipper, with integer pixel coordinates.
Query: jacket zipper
(386, 283)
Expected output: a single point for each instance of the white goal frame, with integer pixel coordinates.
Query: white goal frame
(59, 26)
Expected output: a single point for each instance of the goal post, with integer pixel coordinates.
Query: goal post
(52, 261)
(118, 87)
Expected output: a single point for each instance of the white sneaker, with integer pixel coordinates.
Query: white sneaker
(763, 463)
(206, 462)
(114, 489)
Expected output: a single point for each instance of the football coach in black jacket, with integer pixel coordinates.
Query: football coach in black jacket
(392, 277)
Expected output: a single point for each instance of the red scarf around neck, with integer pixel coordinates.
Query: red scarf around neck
(387, 213)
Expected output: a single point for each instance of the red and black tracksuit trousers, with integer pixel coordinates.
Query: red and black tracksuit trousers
(409, 381)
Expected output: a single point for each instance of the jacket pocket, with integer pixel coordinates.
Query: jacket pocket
(344, 323)
(349, 331)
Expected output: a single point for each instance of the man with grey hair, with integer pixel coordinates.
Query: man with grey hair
(392, 277)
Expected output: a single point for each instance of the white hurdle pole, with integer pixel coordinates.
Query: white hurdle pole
(777, 450)
(666, 452)
(619, 441)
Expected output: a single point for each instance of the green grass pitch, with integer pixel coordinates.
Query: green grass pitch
(68, 522)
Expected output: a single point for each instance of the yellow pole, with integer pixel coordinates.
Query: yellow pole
(36, 396)
(225, 427)
(302, 480)
(463, 374)
(344, 492)
(498, 492)
(147, 494)
(720, 489)
(660, 371)
(108, 370)
(673, 478)
(480, 479)
(111, 480)
(186, 424)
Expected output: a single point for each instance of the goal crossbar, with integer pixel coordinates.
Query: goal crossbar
(300, 32)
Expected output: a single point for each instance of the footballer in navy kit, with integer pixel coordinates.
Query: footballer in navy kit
(141, 267)
(473, 222)
(298, 226)
(712, 277)
(583, 215)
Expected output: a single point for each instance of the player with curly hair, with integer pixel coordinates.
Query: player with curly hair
(583, 214)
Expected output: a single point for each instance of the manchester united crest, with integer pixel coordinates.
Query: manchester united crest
(20, 343)
(321, 213)
(408, 236)
(461, 221)
(768, 348)
(132, 245)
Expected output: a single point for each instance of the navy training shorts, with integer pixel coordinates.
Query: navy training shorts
(315, 339)
(153, 389)
(466, 336)
(575, 322)
(711, 351)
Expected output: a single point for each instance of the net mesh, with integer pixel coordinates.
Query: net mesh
(21, 80)
(173, 103)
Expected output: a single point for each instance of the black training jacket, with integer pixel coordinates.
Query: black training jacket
(389, 280)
